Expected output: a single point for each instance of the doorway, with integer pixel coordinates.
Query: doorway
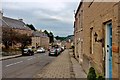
(108, 50)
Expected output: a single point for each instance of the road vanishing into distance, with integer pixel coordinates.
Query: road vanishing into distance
(25, 66)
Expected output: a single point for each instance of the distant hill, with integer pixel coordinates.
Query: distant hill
(60, 38)
(64, 38)
(71, 37)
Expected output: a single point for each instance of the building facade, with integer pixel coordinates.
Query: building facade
(0, 30)
(14, 25)
(97, 32)
(40, 39)
(17, 25)
(78, 33)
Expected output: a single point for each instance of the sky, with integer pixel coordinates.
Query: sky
(56, 16)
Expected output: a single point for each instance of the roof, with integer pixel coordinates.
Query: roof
(14, 23)
(39, 34)
(3, 24)
(78, 8)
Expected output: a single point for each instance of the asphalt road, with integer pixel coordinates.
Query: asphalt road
(25, 66)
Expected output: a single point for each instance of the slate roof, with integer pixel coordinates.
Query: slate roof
(39, 34)
(3, 23)
(14, 23)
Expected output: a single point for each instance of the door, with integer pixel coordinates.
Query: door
(108, 48)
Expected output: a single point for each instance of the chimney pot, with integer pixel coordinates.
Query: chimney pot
(21, 20)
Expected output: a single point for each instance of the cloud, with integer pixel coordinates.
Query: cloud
(49, 19)
(44, 1)
(54, 16)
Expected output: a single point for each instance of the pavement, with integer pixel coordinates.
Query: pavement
(9, 57)
(64, 66)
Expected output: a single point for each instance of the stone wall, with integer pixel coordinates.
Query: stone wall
(95, 16)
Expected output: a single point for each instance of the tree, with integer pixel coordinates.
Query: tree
(46, 32)
(60, 38)
(51, 36)
(24, 40)
(10, 37)
(31, 27)
(57, 37)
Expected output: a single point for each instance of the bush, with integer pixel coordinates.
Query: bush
(100, 78)
(92, 74)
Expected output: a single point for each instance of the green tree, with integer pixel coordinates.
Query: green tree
(60, 38)
(24, 40)
(57, 37)
(31, 27)
(51, 36)
(46, 32)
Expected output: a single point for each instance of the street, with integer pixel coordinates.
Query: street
(25, 66)
(63, 38)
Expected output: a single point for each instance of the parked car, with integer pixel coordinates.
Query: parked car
(59, 50)
(53, 51)
(63, 48)
(40, 50)
(27, 51)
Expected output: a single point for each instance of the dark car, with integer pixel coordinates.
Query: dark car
(27, 51)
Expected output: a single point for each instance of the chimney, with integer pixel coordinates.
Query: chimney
(20, 20)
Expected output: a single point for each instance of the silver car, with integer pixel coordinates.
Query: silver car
(53, 52)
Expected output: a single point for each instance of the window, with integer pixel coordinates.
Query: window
(91, 40)
(91, 3)
(81, 20)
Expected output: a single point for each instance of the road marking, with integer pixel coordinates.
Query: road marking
(13, 63)
(18, 62)
(29, 58)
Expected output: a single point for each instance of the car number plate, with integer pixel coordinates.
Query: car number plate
(52, 53)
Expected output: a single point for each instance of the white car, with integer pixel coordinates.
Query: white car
(40, 50)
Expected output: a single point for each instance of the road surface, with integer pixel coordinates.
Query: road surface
(25, 66)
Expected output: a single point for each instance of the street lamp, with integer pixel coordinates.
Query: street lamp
(95, 36)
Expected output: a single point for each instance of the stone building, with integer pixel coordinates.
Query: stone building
(69, 41)
(40, 39)
(17, 25)
(0, 30)
(97, 32)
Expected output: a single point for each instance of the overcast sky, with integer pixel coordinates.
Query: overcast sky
(52, 15)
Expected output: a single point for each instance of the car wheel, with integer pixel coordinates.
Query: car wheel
(30, 54)
(56, 54)
(49, 54)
